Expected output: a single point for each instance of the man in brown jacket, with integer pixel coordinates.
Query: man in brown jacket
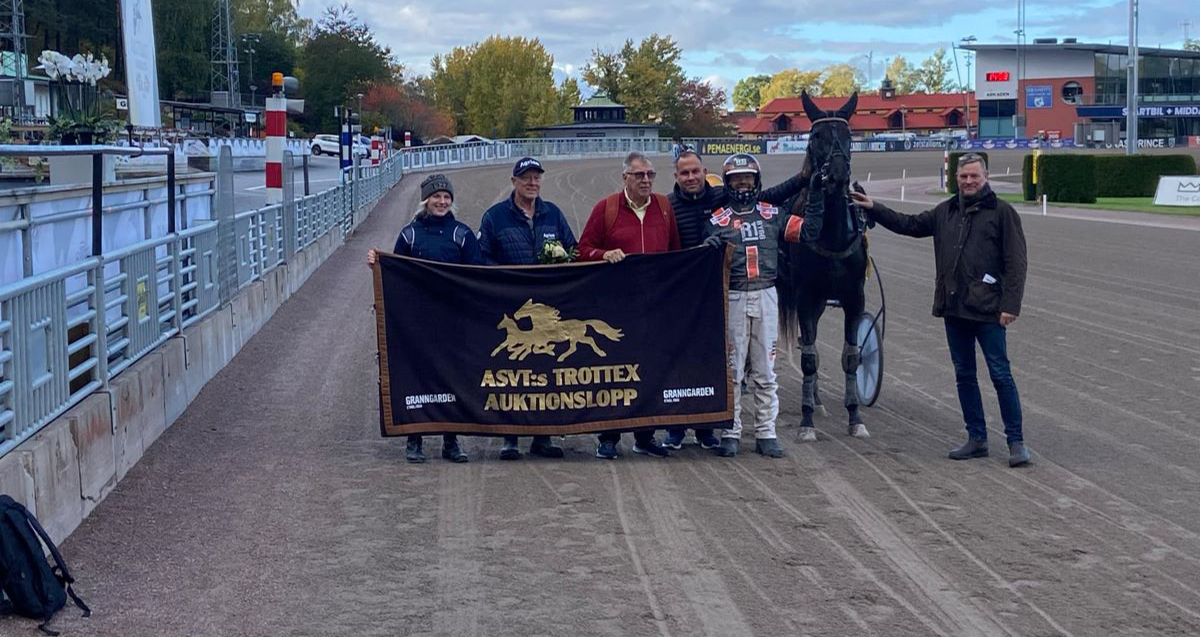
(979, 251)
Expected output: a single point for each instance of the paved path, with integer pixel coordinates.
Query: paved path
(273, 507)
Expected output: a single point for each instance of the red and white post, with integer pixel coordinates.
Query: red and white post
(376, 150)
(407, 139)
(276, 137)
(946, 169)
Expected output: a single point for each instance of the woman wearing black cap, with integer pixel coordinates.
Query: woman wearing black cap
(435, 234)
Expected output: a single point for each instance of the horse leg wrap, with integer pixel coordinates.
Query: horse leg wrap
(809, 359)
(808, 365)
(851, 357)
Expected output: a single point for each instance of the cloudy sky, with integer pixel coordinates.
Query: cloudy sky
(724, 41)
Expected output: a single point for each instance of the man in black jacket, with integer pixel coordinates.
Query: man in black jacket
(694, 200)
(979, 251)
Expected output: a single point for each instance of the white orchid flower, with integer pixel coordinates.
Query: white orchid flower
(78, 67)
(49, 63)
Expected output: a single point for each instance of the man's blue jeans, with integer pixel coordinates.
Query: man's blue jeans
(961, 335)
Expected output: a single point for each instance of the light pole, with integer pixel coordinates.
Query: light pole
(968, 41)
(249, 40)
(870, 57)
(903, 124)
(1131, 92)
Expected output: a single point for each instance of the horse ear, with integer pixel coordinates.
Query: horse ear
(810, 108)
(847, 110)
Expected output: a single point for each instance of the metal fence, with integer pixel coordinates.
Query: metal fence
(66, 332)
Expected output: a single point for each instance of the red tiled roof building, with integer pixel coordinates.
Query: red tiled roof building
(921, 113)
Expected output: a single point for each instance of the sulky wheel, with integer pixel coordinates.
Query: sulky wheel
(870, 369)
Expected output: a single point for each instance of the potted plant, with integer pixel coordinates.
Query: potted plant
(81, 119)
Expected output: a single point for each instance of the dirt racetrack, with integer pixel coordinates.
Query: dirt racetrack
(273, 507)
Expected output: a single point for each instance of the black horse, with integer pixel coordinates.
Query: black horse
(829, 266)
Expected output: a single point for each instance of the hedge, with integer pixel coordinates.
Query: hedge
(1137, 175)
(1028, 188)
(951, 177)
(1067, 178)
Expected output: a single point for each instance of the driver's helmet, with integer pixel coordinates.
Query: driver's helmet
(737, 164)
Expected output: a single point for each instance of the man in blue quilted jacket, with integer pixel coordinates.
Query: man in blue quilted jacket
(512, 233)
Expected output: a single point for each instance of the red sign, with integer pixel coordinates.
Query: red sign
(998, 76)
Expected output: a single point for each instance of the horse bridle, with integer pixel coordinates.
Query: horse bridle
(838, 148)
(844, 151)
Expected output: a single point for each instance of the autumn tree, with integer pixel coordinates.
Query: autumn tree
(700, 111)
(746, 93)
(499, 87)
(341, 59)
(270, 16)
(903, 76)
(791, 83)
(840, 80)
(933, 76)
(646, 78)
(404, 107)
(569, 96)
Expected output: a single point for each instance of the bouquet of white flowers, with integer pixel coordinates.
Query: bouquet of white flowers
(554, 252)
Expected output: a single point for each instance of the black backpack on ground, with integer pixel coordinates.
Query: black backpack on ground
(31, 587)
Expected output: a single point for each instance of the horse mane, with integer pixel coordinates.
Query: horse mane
(530, 307)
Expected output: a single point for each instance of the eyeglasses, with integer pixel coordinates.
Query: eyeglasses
(643, 174)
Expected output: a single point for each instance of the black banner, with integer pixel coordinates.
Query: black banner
(723, 147)
(555, 350)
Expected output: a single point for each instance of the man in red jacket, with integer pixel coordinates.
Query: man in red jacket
(633, 221)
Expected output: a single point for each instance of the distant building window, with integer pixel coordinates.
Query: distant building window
(1071, 92)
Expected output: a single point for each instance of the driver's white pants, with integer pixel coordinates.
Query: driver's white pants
(753, 334)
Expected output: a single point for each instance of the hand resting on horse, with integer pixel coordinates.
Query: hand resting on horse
(862, 200)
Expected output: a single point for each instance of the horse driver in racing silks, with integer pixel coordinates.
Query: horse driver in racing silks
(756, 230)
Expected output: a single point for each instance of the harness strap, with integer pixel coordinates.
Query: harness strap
(841, 254)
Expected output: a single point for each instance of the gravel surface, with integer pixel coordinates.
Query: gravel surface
(273, 507)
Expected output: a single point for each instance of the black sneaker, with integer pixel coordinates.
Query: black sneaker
(453, 452)
(607, 450)
(728, 448)
(707, 440)
(651, 448)
(541, 446)
(413, 452)
(1018, 454)
(769, 447)
(970, 449)
(674, 440)
(509, 450)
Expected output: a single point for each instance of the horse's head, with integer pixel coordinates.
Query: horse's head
(536, 312)
(508, 324)
(525, 310)
(829, 142)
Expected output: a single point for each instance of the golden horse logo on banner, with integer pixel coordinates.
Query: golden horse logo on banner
(548, 331)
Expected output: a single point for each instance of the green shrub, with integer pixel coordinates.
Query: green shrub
(1067, 178)
(951, 181)
(1028, 188)
(1137, 175)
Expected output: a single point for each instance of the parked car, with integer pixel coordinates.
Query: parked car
(328, 145)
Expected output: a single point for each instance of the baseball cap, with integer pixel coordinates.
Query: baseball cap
(527, 163)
